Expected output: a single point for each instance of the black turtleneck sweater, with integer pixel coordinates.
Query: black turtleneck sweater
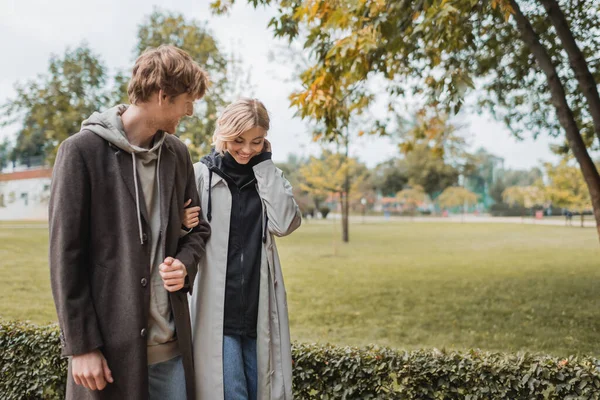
(245, 247)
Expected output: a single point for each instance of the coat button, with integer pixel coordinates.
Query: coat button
(143, 332)
(144, 237)
(144, 282)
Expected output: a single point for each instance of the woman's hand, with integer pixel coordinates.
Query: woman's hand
(191, 216)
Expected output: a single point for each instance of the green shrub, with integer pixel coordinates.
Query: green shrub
(30, 363)
(31, 368)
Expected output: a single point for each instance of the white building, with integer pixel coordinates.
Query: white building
(24, 194)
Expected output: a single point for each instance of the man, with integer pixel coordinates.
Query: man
(120, 269)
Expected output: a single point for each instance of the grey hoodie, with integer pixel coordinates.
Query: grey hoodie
(162, 344)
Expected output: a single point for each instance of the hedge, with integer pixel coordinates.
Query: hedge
(31, 368)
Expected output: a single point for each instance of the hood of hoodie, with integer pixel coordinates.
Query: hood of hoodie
(109, 126)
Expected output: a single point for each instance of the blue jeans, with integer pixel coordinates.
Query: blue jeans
(166, 380)
(239, 368)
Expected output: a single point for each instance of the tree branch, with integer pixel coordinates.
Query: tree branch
(577, 60)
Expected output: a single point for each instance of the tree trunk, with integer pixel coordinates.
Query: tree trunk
(584, 77)
(563, 111)
(582, 219)
(345, 205)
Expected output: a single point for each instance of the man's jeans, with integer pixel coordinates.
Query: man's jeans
(239, 368)
(167, 380)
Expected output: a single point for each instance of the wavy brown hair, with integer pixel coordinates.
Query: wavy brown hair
(169, 69)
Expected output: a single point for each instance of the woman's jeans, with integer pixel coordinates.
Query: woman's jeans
(239, 367)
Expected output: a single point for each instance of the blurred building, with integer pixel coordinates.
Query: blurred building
(24, 192)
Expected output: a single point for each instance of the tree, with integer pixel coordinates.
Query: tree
(5, 153)
(307, 202)
(333, 173)
(566, 187)
(536, 65)
(435, 153)
(521, 177)
(524, 196)
(509, 177)
(51, 107)
(390, 177)
(432, 129)
(456, 196)
(412, 197)
(429, 171)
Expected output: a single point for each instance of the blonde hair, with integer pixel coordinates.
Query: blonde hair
(239, 117)
(169, 69)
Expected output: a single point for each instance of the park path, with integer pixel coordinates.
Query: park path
(472, 219)
(357, 219)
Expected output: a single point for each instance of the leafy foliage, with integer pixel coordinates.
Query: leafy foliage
(31, 367)
(526, 196)
(566, 187)
(52, 107)
(456, 196)
(412, 197)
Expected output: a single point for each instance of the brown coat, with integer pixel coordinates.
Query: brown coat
(100, 272)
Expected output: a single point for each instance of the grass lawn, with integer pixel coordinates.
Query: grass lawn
(502, 287)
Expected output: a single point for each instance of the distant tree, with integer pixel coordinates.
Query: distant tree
(521, 177)
(390, 177)
(411, 197)
(334, 173)
(566, 188)
(524, 196)
(456, 196)
(5, 153)
(429, 171)
(51, 107)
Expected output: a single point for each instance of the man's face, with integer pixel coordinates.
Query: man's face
(173, 109)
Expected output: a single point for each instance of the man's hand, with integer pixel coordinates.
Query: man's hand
(173, 273)
(91, 371)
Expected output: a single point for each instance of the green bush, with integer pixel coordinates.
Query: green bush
(30, 363)
(31, 368)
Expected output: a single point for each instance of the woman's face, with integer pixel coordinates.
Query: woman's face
(247, 145)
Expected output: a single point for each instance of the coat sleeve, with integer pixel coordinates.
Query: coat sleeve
(69, 222)
(192, 247)
(283, 213)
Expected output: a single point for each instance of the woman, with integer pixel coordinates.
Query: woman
(240, 324)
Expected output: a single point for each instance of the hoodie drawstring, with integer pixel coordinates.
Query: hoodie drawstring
(137, 198)
(137, 192)
(209, 212)
(158, 173)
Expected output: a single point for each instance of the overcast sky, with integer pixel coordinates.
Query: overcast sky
(32, 30)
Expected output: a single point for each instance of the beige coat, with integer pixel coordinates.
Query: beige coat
(207, 302)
